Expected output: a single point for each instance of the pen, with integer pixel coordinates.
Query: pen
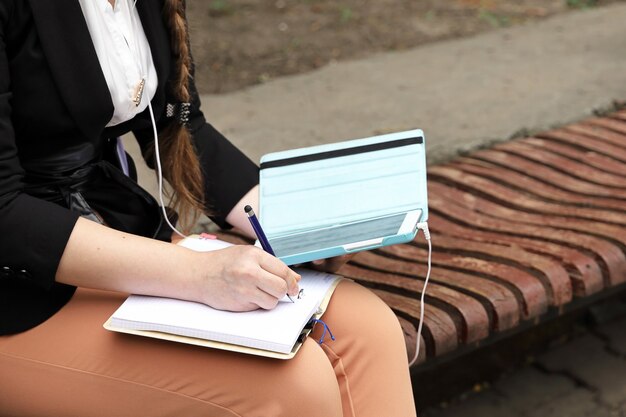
(265, 244)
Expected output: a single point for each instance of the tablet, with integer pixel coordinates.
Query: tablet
(333, 199)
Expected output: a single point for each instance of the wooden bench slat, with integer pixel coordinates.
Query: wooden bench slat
(499, 300)
(549, 175)
(528, 288)
(544, 190)
(584, 272)
(611, 124)
(440, 333)
(583, 137)
(474, 324)
(588, 228)
(594, 137)
(410, 336)
(583, 171)
(620, 115)
(523, 201)
(588, 220)
(528, 209)
(551, 273)
(610, 258)
(581, 155)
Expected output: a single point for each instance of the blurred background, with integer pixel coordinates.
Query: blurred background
(238, 43)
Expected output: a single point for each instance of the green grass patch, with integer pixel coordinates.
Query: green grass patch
(494, 19)
(345, 14)
(220, 8)
(581, 4)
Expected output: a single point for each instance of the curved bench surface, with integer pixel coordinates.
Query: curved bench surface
(528, 226)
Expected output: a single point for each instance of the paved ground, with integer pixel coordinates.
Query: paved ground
(462, 93)
(466, 93)
(584, 377)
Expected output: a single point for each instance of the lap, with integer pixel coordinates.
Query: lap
(73, 366)
(72, 356)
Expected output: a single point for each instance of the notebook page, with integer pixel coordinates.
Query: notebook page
(275, 329)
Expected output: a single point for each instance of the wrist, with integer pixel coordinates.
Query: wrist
(189, 275)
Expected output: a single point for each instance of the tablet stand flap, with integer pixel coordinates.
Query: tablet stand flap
(335, 184)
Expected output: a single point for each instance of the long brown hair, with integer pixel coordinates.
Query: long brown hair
(180, 161)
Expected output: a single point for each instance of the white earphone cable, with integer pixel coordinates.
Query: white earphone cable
(157, 154)
(424, 227)
(160, 173)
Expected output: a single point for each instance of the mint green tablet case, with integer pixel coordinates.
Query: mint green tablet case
(336, 184)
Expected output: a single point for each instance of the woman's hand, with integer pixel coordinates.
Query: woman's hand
(243, 278)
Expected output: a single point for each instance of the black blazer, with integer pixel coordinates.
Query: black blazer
(54, 101)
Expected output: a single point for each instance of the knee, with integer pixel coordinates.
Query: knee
(312, 385)
(369, 316)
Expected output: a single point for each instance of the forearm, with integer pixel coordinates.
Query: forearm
(103, 258)
(236, 278)
(237, 217)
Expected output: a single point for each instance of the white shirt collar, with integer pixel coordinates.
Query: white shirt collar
(124, 54)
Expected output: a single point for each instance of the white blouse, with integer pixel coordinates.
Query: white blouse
(124, 55)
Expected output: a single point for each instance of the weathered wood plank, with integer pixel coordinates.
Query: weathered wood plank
(499, 301)
(621, 115)
(585, 137)
(410, 336)
(548, 192)
(578, 154)
(440, 333)
(509, 202)
(554, 214)
(610, 258)
(584, 272)
(474, 323)
(590, 135)
(583, 171)
(611, 124)
(529, 289)
(547, 174)
(550, 273)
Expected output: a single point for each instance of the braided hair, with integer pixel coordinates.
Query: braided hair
(181, 166)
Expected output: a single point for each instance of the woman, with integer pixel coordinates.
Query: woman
(75, 75)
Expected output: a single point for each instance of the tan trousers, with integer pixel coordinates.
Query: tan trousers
(70, 366)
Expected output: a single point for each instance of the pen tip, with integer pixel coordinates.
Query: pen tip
(247, 209)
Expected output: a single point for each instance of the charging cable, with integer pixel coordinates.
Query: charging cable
(424, 227)
(160, 172)
(152, 119)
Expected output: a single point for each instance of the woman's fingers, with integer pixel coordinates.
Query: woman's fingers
(245, 278)
(276, 267)
(273, 285)
(264, 300)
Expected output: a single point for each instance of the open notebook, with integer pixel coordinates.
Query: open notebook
(274, 333)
